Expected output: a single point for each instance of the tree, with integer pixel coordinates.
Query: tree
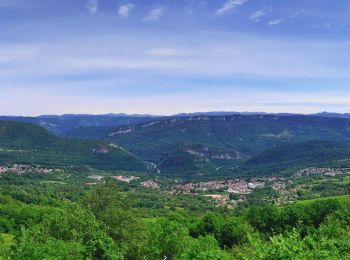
(234, 232)
(210, 225)
(204, 248)
(69, 229)
(123, 225)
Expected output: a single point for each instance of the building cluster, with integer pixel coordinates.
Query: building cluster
(124, 178)
(22, 169)
(319, 171)
(232, 186)
(150, 184)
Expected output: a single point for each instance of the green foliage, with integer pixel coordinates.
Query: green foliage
(171, 237)
(123, 226)
(235, 232)
(238, 136)
(22, 143)
(107, 224)
(55, 216)
(270, 219)
(228, 232)
(330, 241)
(299, 155)
(183, 161)
(73, 228)
(51, 249)
(210, 224)
(204, 248)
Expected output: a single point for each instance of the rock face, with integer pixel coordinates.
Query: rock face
(121, 132)
(193, 159)
(101, 150)
(207, 154)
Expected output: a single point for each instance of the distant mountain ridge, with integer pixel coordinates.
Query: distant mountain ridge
(63, 124)
(327, 114)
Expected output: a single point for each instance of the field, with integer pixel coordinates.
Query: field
(341, 198)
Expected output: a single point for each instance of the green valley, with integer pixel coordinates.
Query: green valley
(205, 143)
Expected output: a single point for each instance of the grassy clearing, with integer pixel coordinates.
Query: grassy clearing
(53, 182)
(341, 198)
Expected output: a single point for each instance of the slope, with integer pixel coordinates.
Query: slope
(28, 144)
(246, 135)
(291, 156)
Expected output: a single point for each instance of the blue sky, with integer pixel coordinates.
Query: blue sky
(171, 56)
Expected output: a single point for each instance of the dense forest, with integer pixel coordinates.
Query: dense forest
(106, 223)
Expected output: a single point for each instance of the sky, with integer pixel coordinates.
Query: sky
(170, 56)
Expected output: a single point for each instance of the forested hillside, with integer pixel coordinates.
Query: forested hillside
(301, 155)
(22, 143)
(221, 142)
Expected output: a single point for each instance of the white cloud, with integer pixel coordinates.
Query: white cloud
(286, 18)
(216, 55)
(40, 69)
(229, 6)
(326, 25)
(92, 6)
(124, 10)
(257, 15)
(276, 21)
(154, 14)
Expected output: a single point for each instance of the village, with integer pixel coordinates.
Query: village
(20, 169)
(237, 186)
(228, 193)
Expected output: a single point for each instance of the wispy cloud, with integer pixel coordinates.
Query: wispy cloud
(154, 14)
(229, 6)
(125, 9)
(332, 25)
(218, 56)
(276, 21)
(172, 68)
(257, 15)
(92, 6)
(286, 18)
